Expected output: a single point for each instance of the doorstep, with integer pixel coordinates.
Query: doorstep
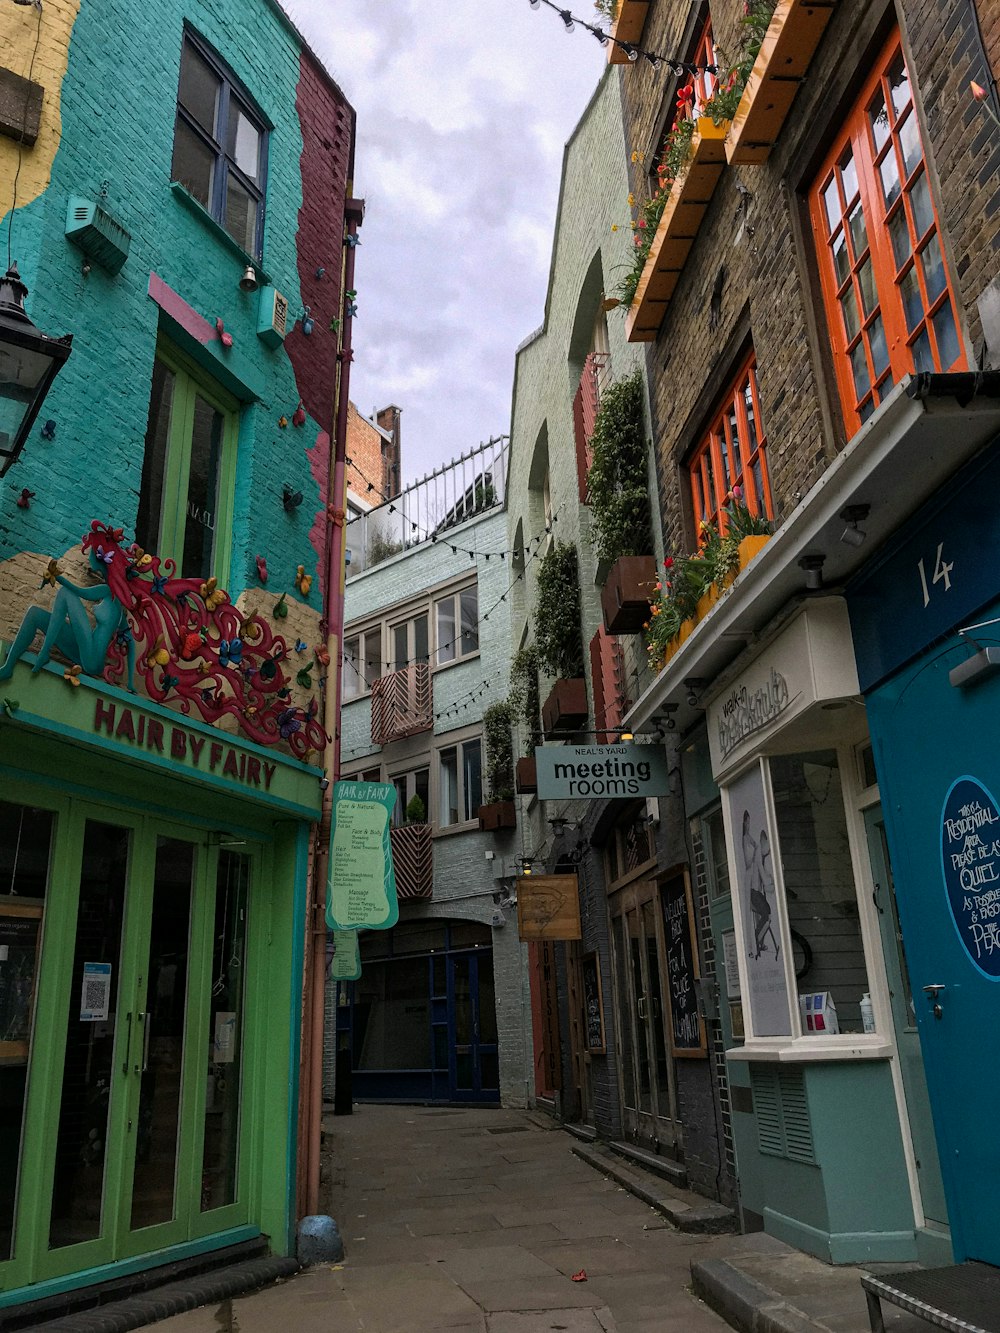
(684, 1209)
(761, 1285)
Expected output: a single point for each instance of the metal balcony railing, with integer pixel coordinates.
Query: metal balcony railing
(402, 704)
(413, 860)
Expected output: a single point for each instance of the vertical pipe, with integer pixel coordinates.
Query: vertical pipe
(354, 212)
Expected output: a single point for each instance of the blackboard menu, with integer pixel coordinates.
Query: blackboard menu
(687, 1035)
(593, 1007)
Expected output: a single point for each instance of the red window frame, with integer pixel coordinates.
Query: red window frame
(889, 298)
(694, 92)
(732, 452)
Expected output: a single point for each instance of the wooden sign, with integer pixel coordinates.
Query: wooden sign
(687, 1031)
(548, 907)
(593, 1004)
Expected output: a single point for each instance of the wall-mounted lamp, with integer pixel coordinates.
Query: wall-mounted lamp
(29, 362)
(526, 863)
(694, 686)
(290, 499)
(248, 283)
(626, 736)
(319, 273)
(812, 567)
(852, 516)
(48, 431)
(559, 824)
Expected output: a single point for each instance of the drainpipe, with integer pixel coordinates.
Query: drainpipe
(333, 614)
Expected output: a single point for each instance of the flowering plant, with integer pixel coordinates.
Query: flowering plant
(687, 578)
(609, 8)
(733, 75)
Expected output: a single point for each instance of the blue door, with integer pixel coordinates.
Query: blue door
(474, 1063)
(938, 757)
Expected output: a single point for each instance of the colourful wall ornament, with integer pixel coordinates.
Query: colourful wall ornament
(361, 892)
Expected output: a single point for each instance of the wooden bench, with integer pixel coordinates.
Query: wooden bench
(963, 1297)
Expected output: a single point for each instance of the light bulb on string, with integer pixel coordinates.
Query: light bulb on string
(567, 18)
(632, 52)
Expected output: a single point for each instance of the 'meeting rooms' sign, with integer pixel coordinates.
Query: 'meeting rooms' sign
(565, 771)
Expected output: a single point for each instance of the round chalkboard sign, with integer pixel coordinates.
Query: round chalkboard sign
(970, 862)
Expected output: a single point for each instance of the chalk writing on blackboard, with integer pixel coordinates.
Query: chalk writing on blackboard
(686, 1037)
(593, 1008)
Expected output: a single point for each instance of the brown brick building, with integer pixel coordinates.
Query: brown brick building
(373, 452)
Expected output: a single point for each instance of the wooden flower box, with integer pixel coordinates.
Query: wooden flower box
(566, 707)
(627, 27)
(525, 779)
(627, 592)
(749, 549)
(782, 61)
(690, 195)
(497, 815)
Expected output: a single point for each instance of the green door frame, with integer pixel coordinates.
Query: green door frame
(32, 1261)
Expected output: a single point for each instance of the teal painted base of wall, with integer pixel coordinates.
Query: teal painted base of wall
(859, 1247)
(90, 1277)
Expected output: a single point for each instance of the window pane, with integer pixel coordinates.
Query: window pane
(734, 435)
(751, 419)
(714, 837)
(859, 365)
(841, 259)
(448, 795)
(352, 686)
(913, 306)
(933, 266)
(243, 142)
(859, 232)
(400, 648)
(472, 777)
(879, 119)
(849, 176)
(849, 305)
(900, 233)
(202, 491)
(470, 620)
(899, 84)
(909, 142)
(421, 648)
(25, 838)
(866, 282)
(148, 517)
(78, 1189)
(447, 648)
(878, 347)
(391, 1015)
(920, 203)
(947, 336)
(373, 657)
(422, 787)
(831, 202)
(193, 163)
(889, 174)
(240, 218)
(923, 357)
(225, 1032)
(819, 879)
(199, 88)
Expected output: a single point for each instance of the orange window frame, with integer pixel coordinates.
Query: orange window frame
(889, 298)
(698, 86)
(732, 452)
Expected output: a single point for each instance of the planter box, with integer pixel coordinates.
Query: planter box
(782, 61)
(497, 815)
(526, 781)
(627, 592)
(750, 548)
(627, 27)
(566, 707)
(690, 195)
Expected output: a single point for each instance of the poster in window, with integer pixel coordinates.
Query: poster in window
(20, 927)
(593, 1005)
(687, 1031)
(764, 964)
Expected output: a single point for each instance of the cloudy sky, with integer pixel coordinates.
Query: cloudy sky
(463, 110)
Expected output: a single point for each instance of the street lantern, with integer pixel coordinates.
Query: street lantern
(29, 362)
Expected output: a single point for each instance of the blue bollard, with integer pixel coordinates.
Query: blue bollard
(318, 1241)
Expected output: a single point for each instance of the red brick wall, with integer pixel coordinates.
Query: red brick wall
(364, 449)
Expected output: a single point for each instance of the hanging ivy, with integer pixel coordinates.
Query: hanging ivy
(618, 480)
(497, 720)
(525, 698)
(559, 630)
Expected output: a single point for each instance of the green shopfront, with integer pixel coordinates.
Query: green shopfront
(153, 879)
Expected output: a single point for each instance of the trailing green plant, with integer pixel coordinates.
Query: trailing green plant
(608, 8)
(558, 624)
(673, 159)
(733, 75)
(416, 811)
(687, 578)
(525, 697)
(497, 721)
(618, 479)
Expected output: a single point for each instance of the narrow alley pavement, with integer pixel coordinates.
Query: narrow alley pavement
(476, 1220)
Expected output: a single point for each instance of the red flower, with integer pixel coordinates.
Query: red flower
(669, 562)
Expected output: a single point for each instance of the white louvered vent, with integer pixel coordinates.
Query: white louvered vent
(767, 1112)
(781, 1112)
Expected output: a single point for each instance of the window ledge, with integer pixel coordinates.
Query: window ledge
(469, 657)
(199, 210)
(467, 826)
(825, 1050)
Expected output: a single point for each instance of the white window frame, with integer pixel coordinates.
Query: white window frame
(369, 637)
(456, 744)
(448, 651)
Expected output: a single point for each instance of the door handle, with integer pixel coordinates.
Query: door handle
(640, 1005)
(128, 1041)
(932, 992)
(143, 1018)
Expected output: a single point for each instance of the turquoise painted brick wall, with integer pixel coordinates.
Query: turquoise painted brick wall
(118, 106)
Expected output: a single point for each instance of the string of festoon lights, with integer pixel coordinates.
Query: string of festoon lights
(631, 50)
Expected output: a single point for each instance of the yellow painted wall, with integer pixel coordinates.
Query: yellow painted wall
(21, 26)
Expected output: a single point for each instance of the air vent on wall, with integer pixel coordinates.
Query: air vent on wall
(98, 235)
(272, 317)
(782, 1113)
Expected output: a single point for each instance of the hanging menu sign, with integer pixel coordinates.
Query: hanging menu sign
(361, 893)
(970, 862)
(345, 965)
(687, 1036)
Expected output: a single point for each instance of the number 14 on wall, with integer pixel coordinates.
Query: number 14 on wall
(942, 572)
